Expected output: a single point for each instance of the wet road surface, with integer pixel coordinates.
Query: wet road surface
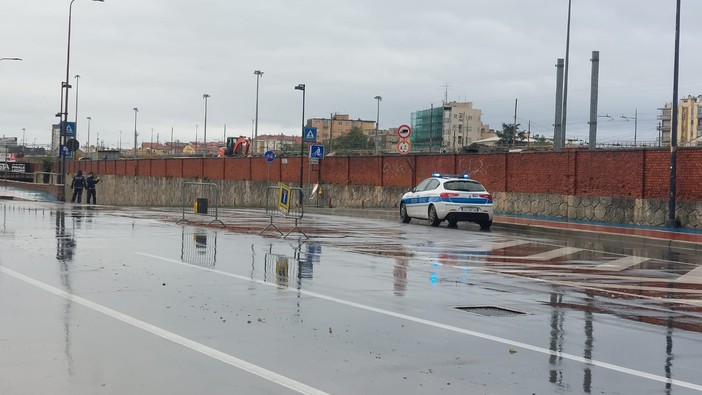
(125, 301)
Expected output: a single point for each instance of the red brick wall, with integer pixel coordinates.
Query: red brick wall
(335, 170)
(625, 173)
(689, 170)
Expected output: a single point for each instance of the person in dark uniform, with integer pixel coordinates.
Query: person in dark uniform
(90, 183)
(77, 185)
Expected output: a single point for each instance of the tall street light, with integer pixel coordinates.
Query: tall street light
(301, 87)
(64, 98)
(258, 74)
(136, 111)
(88, 144)
(204, 139)
(75, 119)
(672, 222)
(565, 80)
(377, 121)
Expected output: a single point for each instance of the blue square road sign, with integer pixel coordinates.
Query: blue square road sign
(316, 151)
(310, 135)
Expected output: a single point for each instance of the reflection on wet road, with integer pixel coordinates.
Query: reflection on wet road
(128, 301)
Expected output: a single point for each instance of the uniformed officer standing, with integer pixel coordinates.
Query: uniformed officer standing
(77, 185)
(90, 183)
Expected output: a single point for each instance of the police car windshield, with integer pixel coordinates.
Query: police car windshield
(463, 185)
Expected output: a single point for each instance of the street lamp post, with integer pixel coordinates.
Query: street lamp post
(564, 113)
(377, 121)
(88, 143)
(64, 97)
(672, 222)
(204, 139)
(636, 123)
(258, 74)
(301, 87)
(136, 111)
(75, 118)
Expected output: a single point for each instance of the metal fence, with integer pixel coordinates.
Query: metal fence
(316, 196)
(199, 247)
(200, 199)
(283, 201)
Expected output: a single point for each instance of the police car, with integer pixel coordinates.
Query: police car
(448, 197)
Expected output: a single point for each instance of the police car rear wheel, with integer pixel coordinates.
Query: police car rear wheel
(433, 218)
(403, 214)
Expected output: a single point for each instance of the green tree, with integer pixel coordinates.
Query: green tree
(353, 140)
(510, 135)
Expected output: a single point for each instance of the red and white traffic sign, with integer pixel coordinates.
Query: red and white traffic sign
(404, 147)
(404, 131)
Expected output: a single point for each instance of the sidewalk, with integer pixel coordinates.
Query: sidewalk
(647, 235)
(12, 193)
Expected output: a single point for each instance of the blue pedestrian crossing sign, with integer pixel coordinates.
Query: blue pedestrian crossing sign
(316, 151)
(310, 135)
(69, 129)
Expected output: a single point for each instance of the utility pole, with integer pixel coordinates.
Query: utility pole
(514, 125)
(594, 93)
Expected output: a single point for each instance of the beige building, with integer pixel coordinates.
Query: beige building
(275, 142)
(462, 126)
(338, 125)
(689, 122)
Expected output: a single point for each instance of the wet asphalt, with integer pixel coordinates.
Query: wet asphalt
(105, 300)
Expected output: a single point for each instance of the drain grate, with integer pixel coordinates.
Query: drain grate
(489, 311)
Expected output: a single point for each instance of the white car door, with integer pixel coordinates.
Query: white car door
(413, 200)
(424, 191)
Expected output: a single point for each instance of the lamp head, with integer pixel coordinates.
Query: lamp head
(300, 87)
(379, 98)
(258, 73)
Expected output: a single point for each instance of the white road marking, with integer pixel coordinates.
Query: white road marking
(480, 335)
(548, 255)
(693, 276)
(195, 346)
(621, 263)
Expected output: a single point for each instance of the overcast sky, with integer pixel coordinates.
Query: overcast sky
(163, 55)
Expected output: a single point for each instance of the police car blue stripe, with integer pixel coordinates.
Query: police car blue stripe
(435, 199)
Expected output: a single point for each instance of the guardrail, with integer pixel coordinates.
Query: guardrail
(287, 202)
(46, 178)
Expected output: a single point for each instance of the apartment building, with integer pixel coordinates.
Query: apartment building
(338, 125)
(275, 142)
(689, 122)
(447, 128)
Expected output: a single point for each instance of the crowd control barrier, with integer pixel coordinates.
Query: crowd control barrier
(286, 202)
(200, 199)
(199, 247)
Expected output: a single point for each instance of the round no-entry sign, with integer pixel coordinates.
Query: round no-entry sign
(404, 131)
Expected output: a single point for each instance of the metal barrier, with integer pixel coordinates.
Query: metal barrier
(199, 247)
(200, 198)
(287, 202)
(316, 196)
(46, 178)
